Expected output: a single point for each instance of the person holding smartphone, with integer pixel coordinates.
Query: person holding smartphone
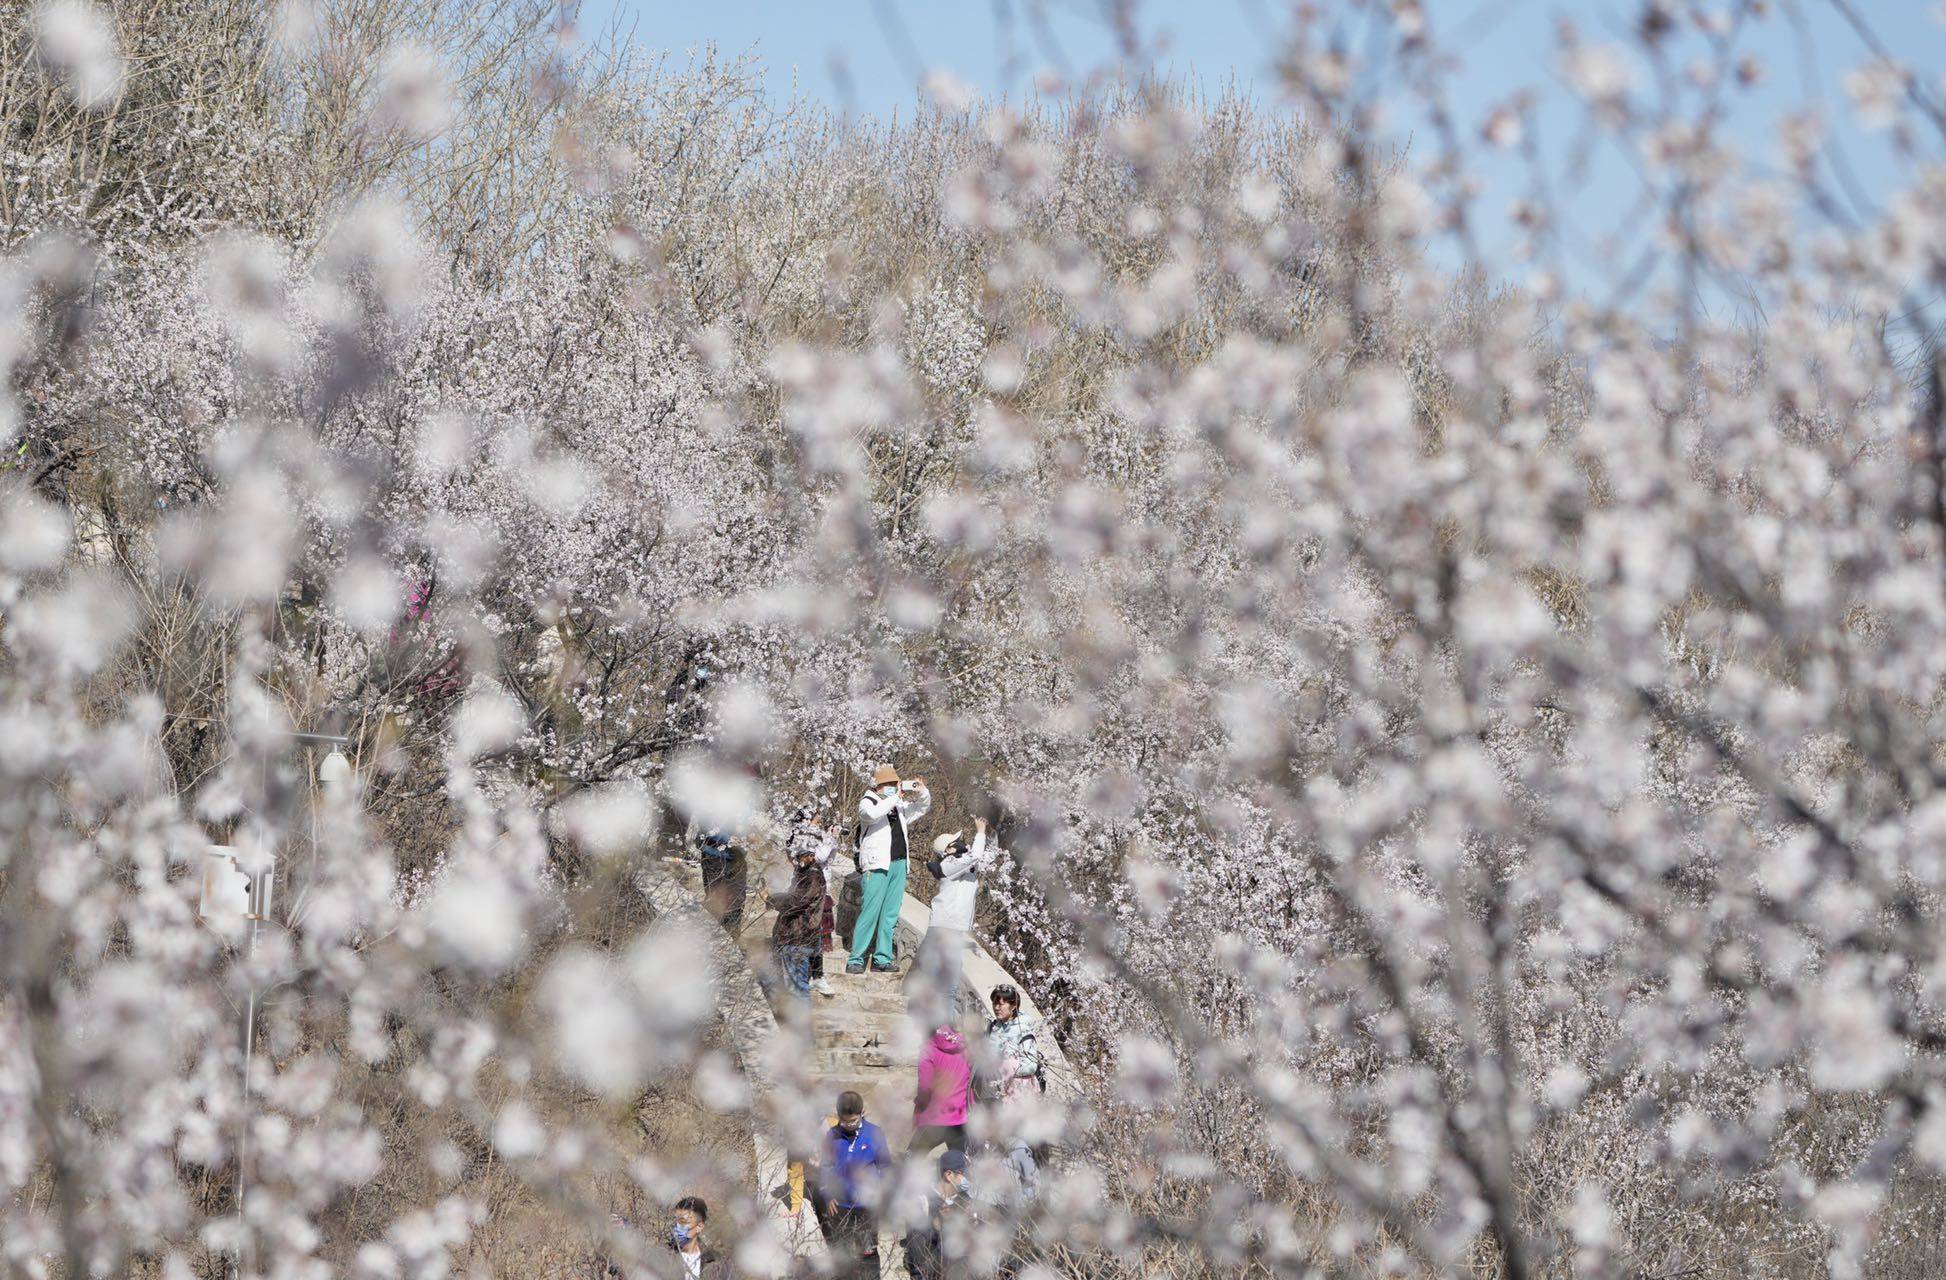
(885, 814)
(932, 989)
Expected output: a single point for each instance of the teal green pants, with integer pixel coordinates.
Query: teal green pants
(878, 916)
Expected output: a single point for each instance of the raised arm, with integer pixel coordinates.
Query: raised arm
(872, 806)
(958, 864)
(919, 805)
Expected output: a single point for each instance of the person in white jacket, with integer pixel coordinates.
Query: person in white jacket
(934, 989)
(885, 816)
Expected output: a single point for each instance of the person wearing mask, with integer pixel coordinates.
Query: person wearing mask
(856, 1161)
(957, 866)
(699, 1261)
(945, 1093)
(794, 937)
(1013, 1074)
(885, 815)
(926, 1246)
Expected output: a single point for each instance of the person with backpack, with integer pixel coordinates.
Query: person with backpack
(726, 876)
(934, 985)
(723, 854)
(926, 1246)
(885, 814)
(944, 1095)
(1014, 1074)
(855, 1163)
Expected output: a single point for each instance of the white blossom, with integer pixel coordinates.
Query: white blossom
(412, 92)
(76, 37)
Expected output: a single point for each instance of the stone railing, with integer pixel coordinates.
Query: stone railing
(746, 1013)
(981, 973)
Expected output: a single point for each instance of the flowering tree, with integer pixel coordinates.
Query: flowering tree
(1469, 757)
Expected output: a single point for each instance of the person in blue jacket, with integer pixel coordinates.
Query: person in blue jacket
(856, 1161)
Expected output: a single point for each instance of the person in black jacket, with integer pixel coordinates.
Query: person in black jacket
(695, 1258)
(800, 910)
(726, 877)
(926, 1246)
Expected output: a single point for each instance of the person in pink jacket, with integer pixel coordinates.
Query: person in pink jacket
(945, 1093)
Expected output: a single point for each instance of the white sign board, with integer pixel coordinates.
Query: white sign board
(229, 892)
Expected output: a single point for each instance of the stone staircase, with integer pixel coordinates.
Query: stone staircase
(861, 1038)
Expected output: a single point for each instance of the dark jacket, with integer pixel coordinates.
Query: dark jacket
(925, 1254)
(800, 909)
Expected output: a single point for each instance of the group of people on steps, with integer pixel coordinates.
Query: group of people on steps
(806, 909)
(854, 1164)
(850, 1173)
(806, 912)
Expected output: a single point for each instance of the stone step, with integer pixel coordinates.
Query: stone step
(842, 1031)
(876, 996)
(850, 1061)
(848, 1033)
(844, 1026)
(836, 1017)
(829, 1087)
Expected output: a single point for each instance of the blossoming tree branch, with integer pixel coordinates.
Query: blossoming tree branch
(1457, 760)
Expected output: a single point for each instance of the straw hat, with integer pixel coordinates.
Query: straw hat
(886, 773)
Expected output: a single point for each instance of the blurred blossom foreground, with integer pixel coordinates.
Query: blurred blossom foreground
(1457, 768)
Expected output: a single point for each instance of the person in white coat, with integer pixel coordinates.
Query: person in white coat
(935, 987)
(885, 816)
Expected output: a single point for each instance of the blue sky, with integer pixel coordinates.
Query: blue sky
(867, 56)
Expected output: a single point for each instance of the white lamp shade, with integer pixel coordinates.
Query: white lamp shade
(334, 771)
